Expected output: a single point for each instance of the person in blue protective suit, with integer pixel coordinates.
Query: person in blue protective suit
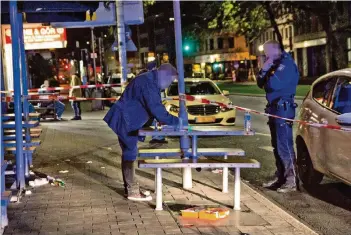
(279, 77)
(140, 101)
(155, 139)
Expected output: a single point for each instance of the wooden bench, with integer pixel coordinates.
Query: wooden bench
(206, 152)
(13, 137)
(12, 143)
(32, 130)
(9, 116)
(11, 124)
(210, 152)
(25, 149)
(236, 163)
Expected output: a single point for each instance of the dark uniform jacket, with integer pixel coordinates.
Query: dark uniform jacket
(140, 101)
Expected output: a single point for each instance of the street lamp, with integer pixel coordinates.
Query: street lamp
(260, 48)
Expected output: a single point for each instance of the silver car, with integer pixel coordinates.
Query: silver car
(322, 151)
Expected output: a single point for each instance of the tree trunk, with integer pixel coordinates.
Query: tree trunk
(336, 46)
(274, 23)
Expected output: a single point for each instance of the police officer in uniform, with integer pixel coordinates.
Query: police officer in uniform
(140, 101)
(279, 77)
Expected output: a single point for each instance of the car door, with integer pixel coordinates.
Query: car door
(338, 143)
(316, 110)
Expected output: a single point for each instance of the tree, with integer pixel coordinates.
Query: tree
(251, 18)
(243, 18)
(334, 18)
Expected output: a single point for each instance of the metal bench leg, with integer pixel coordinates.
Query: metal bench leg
(159, 189)
(225, 177)
(155, 186)
(237, 189)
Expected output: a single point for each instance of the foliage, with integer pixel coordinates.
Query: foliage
(242, 18)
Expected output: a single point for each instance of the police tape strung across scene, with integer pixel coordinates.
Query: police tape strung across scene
(187, 98)
(68, 88)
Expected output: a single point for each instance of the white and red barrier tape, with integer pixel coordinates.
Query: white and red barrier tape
(56, 97)
(188, 98)
(68, 88)
(206, 101)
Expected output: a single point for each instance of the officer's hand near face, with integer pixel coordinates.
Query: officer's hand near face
(267, 65)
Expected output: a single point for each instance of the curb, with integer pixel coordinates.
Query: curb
(261, 95)
(271, 205)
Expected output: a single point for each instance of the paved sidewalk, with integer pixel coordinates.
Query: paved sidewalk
(92, 201)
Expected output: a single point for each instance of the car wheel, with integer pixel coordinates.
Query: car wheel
(307, 174)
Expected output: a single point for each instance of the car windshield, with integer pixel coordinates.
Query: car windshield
(194, 88)
(114, 81)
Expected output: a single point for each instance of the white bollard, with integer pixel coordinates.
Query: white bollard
(225, 177)
(159, 189)
(237, 189)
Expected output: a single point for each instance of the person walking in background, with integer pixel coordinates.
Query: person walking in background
(77, 93)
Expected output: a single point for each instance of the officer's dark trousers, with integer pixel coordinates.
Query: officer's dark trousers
(129, 146)
(283, 147)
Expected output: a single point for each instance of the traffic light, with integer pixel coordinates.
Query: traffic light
(186, 47)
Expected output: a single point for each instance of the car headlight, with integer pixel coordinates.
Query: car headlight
(226, 109)
(174, 109)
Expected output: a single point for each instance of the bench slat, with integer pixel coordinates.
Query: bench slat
(29, 114)
(211, 132)
(32, 130)
(24, 125)
(11, 143)
(25, 149)
(13, 137)
(203, 163)
(201, 151)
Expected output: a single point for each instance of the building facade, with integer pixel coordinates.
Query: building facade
(307, 41)
(219, 55)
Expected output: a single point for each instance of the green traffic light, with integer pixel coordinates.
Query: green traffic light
(187, 48)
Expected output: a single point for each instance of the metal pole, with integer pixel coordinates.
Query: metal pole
(100, 56)
(184, 141)
(20, 181)
(2, 111)
(25, 88)
(93, 51)
(121, 42)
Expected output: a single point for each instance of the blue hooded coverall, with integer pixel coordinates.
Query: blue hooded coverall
(280, 84)
(140, 101)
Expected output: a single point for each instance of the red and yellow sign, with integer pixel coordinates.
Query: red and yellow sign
(40, 37)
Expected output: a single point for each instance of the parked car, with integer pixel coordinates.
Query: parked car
(112, 92)
(199, 113)
(322, 151)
